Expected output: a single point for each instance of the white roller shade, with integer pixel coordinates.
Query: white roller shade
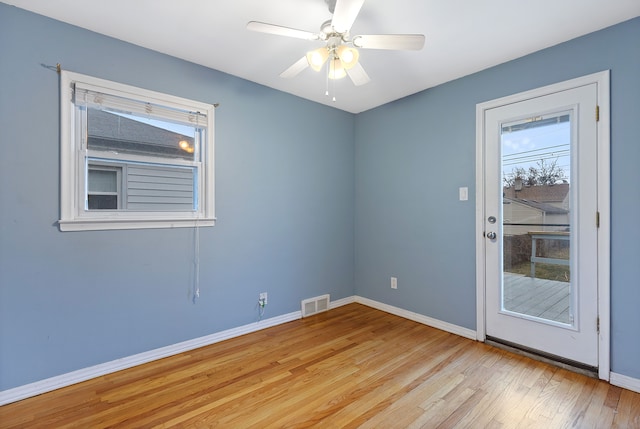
(92, 96)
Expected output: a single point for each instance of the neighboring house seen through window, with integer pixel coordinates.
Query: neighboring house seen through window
(132, 158)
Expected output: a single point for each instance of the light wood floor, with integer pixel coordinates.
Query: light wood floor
(352, 367)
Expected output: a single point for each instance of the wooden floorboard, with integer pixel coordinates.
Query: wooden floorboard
(351, 367)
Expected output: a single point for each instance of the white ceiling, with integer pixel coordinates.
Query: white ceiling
(462, 36)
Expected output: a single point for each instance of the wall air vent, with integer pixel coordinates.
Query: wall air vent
(315, 305)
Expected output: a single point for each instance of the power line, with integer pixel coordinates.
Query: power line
(536, 150)
(532, 158)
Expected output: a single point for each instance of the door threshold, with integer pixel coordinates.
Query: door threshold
(568, 364)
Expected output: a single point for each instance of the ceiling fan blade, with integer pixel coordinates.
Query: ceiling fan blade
(263, 27)
(357, 75)
(345, 14)
(413, 42)
(296, 68)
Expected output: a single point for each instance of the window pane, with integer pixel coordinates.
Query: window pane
(102, 202)
(103, 181)
(141, 136)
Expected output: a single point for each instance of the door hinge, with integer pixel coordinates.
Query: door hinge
(597, 219)
(598, 324)
(597, 113)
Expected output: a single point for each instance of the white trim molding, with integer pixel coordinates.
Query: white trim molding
(625, 382)
(416, 317)
(64, 380)
(340, 302)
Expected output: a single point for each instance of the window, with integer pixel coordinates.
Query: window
(132, 158)
(103, 187)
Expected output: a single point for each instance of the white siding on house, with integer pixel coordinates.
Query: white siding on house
(160, 188)
(514, 212)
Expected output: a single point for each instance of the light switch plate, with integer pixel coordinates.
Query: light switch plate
(464, 193)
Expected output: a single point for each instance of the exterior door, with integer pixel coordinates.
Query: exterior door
(540, 222)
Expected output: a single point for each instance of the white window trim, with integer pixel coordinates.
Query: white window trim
(72, 214)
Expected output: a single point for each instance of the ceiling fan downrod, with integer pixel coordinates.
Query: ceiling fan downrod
(331, 4)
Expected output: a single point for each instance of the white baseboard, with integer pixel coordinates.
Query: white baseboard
(435, 323)
(57, 382)
(53, 383)
(625, 382)
(60, 381)
(340, 302)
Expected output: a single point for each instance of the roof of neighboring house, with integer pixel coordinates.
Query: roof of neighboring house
(544, 207)
(542, 193)
(109, 131)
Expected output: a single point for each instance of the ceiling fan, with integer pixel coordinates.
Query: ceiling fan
(340, 52)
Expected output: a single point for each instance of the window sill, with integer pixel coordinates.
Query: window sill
(110, 224)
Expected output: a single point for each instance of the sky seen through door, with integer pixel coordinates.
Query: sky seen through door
(535, 142)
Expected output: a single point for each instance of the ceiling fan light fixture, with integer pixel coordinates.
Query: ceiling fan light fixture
(348, 56)
(336, 69)
(317, 58)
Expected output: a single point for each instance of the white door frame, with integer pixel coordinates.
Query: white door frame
(603, 203)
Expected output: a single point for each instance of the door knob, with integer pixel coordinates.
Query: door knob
(491, 235)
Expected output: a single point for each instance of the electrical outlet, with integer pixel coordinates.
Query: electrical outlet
(394, 283)
(263, 299)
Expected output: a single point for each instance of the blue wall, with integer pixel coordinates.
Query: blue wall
(288, 203)
(412, 155)
(284, 202)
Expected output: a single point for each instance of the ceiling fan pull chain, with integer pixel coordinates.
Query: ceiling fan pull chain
(326, 92)
(333, 89)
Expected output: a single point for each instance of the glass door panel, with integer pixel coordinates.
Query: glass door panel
(536, 221)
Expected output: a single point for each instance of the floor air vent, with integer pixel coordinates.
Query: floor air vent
(315, 305)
